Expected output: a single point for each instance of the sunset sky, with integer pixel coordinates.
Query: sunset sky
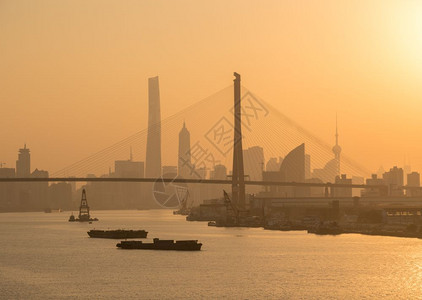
(74, 74)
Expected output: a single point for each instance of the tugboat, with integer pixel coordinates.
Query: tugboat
(157, 244)
(117, 234)
(83, 211)
(326, 229)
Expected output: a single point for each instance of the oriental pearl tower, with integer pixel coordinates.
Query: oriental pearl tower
(337, 151)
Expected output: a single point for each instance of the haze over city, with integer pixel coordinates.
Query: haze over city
(210, 149)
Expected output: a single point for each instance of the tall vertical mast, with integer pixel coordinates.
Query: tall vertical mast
(337, 151)
(153, 155)
(238, 184)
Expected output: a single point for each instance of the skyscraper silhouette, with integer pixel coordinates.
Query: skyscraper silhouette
(153, 154)
(23, 164)
(184, 165)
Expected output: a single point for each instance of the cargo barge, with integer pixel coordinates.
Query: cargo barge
(157, 244)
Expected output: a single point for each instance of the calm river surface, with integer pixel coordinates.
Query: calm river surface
(42, 256)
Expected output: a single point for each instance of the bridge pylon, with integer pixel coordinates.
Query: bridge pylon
(238, 178)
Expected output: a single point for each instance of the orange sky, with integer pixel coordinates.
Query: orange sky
(74, 74)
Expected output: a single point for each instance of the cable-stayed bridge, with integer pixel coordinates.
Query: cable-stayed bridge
(263, 125)
(212, 123)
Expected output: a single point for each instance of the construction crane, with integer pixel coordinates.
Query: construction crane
(231, 210)
(183, 196)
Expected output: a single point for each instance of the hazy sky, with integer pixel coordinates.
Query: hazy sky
(73, 74)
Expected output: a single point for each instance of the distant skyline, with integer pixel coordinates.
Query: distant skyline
(74, 73)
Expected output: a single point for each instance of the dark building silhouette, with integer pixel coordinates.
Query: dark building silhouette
(374, 192)
(220, 172)
(315, 191)
(128, 193)
(184, 161)
(357, 180)
(413, 184)
(273, 164)
(128, 169)
(293, 166)
(293, 169)
(153, 153)
(38, 192)
(60, 196)
(394, 179)
(253, 160)
(271, 190)
(342, 191)
(23, 164)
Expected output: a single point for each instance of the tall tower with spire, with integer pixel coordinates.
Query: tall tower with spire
(337, 151)
(153, 155)
(23, 164)
(184, 156)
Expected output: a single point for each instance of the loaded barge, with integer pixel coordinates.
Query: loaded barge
(157, 244)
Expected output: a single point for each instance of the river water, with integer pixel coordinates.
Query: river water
(42, 256)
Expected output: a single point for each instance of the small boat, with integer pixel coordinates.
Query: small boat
(212, 223)
(326, 229)
(157, 244)
(117, 234)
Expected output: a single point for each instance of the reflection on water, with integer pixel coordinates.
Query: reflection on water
(44, 256)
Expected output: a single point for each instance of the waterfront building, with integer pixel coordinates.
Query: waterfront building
(374, 192)
(357, 180)
(394, 179)
(413, 184)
